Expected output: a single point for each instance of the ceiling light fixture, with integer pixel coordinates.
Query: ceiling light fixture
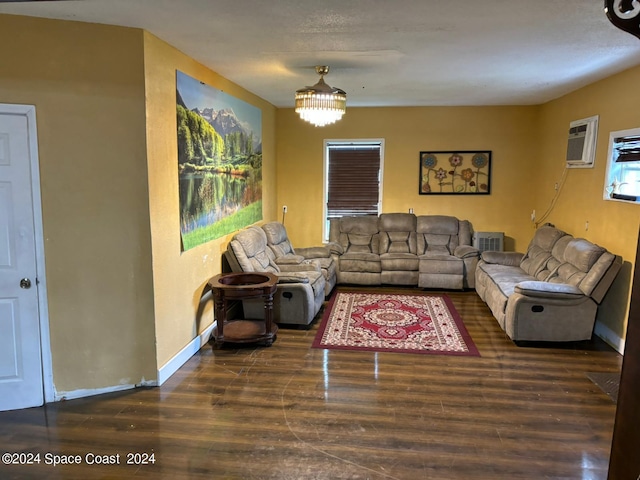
(321, 104)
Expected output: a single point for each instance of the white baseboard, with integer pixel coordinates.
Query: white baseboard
(183, 355)
(73, 394)
(610, 337)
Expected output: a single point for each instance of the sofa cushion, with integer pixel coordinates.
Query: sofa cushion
(289, 259)
(437, 232)
(553, 260)
(441, 265)
(397, 233)
(582, 254)
(325, 264)
(363, 224)
(535, 260)
(397, 222)
(277, 239)
(359, 243)
(571, 263)
(441, 224)
(398, 242)
(505, 277)
(360, 262)
(539, 251)
(250, 248)
(437, 251)
(399, 261)
(546, 237)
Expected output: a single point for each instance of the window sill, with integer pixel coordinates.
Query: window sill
(623, 198)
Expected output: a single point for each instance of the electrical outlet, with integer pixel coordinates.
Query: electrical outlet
(533, 216)
(411, 210)
(284, 209)
(586, 225)
(555, 187)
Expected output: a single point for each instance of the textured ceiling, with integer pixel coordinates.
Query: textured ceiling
(381, 52)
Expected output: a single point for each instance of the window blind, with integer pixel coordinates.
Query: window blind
(353, 180)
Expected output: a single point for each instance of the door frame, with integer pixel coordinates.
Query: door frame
(29, 111)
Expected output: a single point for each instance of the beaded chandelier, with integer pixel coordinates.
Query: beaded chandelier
(321, 104)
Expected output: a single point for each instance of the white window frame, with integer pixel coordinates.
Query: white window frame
(614, 171)
(325, 170)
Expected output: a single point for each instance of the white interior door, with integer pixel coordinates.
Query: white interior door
(21, 379)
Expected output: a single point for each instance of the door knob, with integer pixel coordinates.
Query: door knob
(25, 283)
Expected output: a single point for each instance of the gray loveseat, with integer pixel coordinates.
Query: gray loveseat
(303, 281)
(429, 251)
(551, 292)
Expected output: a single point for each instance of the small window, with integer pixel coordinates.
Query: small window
(353, 173)
(623, 166)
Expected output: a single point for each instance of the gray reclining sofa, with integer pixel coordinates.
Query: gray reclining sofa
(428, 251)
(551, 292)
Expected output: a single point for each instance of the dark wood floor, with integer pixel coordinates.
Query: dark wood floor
(294, 412)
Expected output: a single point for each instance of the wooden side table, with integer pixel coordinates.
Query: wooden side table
(228, 287)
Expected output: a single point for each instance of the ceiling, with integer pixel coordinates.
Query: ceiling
(381, 52)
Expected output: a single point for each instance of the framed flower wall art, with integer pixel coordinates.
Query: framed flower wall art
(455, 172)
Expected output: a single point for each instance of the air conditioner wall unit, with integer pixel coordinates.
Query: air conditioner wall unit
(581, 144)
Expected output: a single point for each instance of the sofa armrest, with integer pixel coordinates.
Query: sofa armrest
(314, 252)
(466, 251)
(335, 248)
(511, 259)
(292, 278)
(306, 266)
(532, 288)
(289, 259)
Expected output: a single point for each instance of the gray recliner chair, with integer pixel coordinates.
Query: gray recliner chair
(446, 257)
(301, 287)
(355, 244)
(398, 249)
(278, 241)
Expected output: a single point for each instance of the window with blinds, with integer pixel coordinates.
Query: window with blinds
(353, 173)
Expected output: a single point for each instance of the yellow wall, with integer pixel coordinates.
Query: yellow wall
(179, 279)
(614, 225)
(87, 83)
(509, 132)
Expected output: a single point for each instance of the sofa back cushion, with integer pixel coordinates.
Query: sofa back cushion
(557, 257)
(439, 234)
(398, 233)
(359, 234)
(277, 239)
(250, 248)
(572, 261)
(538, 253)
(548, 261)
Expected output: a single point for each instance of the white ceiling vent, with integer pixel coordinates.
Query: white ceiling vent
(581, 145)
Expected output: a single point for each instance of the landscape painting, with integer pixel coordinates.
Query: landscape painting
(219, 162)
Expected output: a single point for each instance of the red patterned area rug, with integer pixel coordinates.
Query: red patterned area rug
(385, 322)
